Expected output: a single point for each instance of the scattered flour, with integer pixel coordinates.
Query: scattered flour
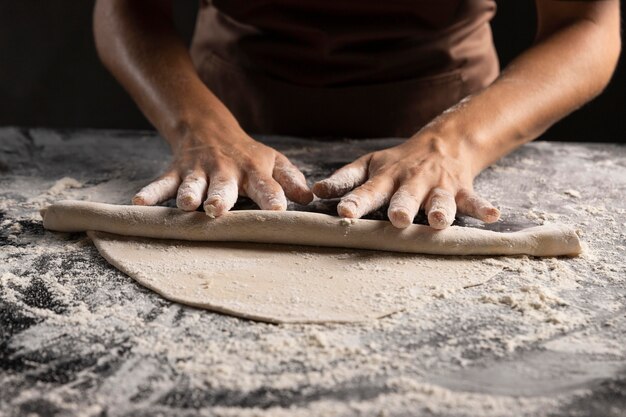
(119, 349)
(572, 193)
(63, 184)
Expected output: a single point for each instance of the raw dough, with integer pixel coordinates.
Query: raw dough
(290, 284)
(301, 228)
(284, 283)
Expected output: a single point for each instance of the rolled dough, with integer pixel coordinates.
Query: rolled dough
(311, 229)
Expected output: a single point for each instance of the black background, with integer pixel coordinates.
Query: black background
(50, 74)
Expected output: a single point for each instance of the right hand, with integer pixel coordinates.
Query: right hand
(216, 165)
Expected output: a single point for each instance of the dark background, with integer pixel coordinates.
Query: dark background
(50, 74)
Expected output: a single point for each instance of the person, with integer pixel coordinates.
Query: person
(425, 71)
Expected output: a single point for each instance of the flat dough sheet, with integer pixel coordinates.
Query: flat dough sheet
(289, 284)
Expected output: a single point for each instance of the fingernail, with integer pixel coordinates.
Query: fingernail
(211, 211)
(320, 189)
(138, 201)
(491, 215)
(277, 205)
(347, 209)
(213, 208)
(400, 218)
(186, 202)
(437, 220)
(306, 197)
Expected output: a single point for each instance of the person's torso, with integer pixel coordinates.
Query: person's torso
(335, 44)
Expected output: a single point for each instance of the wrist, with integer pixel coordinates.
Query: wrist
(461, 138)
(448, 140)
(206, 126)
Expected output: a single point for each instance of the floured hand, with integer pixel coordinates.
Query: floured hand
(425, 171)
(214, 166)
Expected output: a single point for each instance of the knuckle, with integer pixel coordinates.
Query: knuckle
(261, 182)
(368, 187)
(282, 172)
(222, 175)
(465, 194)
(195, 177)
(442, 193)
(280, 159)
(405, 192)
(414, 171)
(351, 198)
(291, 177)
(367, 159)
(218, 165)
(252, 167)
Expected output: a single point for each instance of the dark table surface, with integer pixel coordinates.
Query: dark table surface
(545, 337)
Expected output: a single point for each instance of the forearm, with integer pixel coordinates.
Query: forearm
(138, 43)
(557, 75)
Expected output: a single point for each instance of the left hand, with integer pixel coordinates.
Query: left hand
(427, 170)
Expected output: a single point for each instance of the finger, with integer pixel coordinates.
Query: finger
(292, 181)
(473, 205)
(158, 191)
(343, 180)
(405, 204)
(266, 192)
(222, 195)
(440, 208)
(366, 198)
(191, 191)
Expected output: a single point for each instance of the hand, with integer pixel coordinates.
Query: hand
(215, 165)
(425, 171)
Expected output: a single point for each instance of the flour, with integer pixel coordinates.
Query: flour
(572, 193)
(532, 300)
(541, 216)
(60, 186)
(94, 342)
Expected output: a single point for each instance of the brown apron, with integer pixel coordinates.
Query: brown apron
(353, 68)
